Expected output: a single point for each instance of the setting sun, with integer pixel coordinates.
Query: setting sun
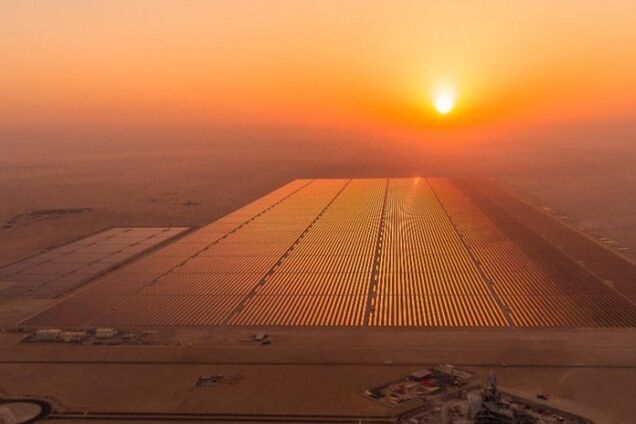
(444, 97)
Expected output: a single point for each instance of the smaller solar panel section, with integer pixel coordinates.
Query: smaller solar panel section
(311, 284)
(438, 311)
(175, 284)
(66, 267)
(76, 311)
(301, 310)
(192, 310)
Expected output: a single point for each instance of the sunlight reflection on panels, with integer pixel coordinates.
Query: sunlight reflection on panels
(409, 252)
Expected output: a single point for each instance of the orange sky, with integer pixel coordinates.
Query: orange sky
(349, 64)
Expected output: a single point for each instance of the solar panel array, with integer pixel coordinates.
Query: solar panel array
(60, 269)
(363, 252)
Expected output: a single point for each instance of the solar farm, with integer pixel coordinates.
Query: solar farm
(404, 252)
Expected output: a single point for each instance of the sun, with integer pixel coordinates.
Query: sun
(444, 97)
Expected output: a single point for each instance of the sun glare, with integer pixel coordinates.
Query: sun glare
(444, 97)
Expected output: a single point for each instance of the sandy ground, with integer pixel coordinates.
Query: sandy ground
(321, 371)
(302, 390)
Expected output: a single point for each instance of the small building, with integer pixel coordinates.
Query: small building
(51, 334)
(73, 336)
(452, 371)
(420, 374)
(105, 333)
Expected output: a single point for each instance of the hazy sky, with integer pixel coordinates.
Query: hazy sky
(344, 64)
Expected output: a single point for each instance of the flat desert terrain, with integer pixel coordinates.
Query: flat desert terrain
(187, 182)
(317, 372)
